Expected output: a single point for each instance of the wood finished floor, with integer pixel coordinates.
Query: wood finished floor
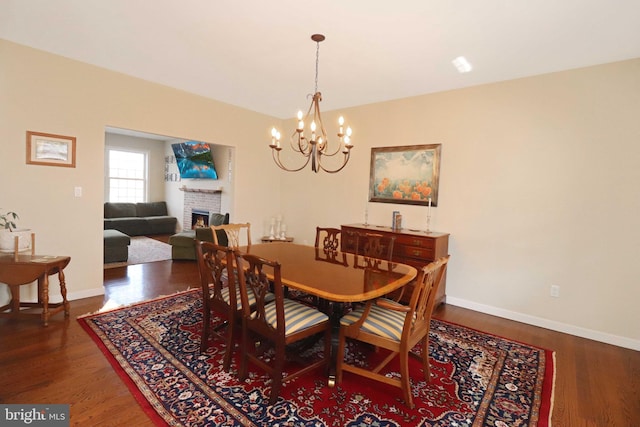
(596, 384)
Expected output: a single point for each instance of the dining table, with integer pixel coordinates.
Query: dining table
(335, 277)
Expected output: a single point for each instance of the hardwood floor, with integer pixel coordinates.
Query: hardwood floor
(596, 384)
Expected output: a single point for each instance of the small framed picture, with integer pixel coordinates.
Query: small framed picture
(51, 150)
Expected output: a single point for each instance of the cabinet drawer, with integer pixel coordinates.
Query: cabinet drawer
(417, 241)
(414, 252)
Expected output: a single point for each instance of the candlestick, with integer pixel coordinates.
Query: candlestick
(366, 211)
(429, 217)
(272, 230)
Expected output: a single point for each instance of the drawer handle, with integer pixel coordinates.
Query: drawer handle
(416, 242)
(417, 253)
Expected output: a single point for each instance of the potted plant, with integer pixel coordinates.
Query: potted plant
(8, 232)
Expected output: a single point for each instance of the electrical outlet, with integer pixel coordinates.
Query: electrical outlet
(555, 291)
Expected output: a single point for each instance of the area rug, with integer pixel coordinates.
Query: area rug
(144, 249)
(477, 379)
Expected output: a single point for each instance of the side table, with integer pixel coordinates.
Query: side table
(20, 270)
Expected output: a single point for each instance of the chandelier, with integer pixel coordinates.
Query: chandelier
(315, 147)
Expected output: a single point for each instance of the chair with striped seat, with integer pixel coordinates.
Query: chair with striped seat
(389, 325)
(219, 293)
(279, 323)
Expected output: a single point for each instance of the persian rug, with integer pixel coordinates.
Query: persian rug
(144, 249)
(477, 379)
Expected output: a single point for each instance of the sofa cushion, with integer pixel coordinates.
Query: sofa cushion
(151, 209)
(115, 238)
(162, 224)
(131, 226)
(184, 238)
(119, 210)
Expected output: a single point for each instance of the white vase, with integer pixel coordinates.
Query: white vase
(7, 240)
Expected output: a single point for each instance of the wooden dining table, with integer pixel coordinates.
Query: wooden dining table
(337, 277)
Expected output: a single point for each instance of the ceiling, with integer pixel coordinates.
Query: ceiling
(258, 54)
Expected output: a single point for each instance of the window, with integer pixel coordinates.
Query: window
(127, 176)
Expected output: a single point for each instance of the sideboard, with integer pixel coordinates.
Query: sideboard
(413, 247)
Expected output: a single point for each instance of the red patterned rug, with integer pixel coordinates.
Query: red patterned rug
(477, 379)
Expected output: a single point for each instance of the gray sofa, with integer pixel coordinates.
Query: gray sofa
(183, 244)
(138, 219)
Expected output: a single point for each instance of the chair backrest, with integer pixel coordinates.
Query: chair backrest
(328, 245)
(234, 234)
(376, 245)
(373, 248)
(327, 238)
(219, 219)
(216, 268)
(262, 277)
(423, 297)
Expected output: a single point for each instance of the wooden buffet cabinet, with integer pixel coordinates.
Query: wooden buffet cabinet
(413, 247)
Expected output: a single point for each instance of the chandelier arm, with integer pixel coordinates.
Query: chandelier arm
(276, 159)
(316, 113)
(301, 148)
(344, 163)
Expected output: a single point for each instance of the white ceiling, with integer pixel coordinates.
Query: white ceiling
(258, 54)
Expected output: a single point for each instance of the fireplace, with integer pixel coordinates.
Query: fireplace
(199, 199)
(199, 218)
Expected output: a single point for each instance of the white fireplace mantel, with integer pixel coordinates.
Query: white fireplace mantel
(201, 190)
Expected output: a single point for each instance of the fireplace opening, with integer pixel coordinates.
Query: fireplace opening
(199, 218)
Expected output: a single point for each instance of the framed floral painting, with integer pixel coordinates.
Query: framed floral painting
(405, 174)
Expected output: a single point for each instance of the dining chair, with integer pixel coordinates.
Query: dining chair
(280, 323)
(375, 247)
(219, 293)
(372, 250)
(390, 325)
(328, 238)
(234, 234)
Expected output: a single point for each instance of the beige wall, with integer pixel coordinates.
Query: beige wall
(538, 181)
(538, 186)
(48, 93)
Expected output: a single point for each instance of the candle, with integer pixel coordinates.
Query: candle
(429, 206)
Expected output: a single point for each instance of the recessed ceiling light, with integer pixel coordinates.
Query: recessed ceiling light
(462, 64)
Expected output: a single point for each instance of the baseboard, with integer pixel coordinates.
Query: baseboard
(547, 324)
(78, 294)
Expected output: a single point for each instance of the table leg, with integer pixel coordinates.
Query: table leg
(45, 298)
(63, 292)
(335, 315)
(15, 299)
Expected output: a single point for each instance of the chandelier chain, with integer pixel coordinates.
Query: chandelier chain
(317, 63)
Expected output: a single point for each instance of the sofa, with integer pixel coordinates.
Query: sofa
(183, 244)
(139, 219)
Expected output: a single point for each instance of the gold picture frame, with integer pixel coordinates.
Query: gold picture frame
(406, 174)
(51, 150)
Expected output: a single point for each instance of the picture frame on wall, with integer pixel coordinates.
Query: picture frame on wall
(51, 150)
(407, 174)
